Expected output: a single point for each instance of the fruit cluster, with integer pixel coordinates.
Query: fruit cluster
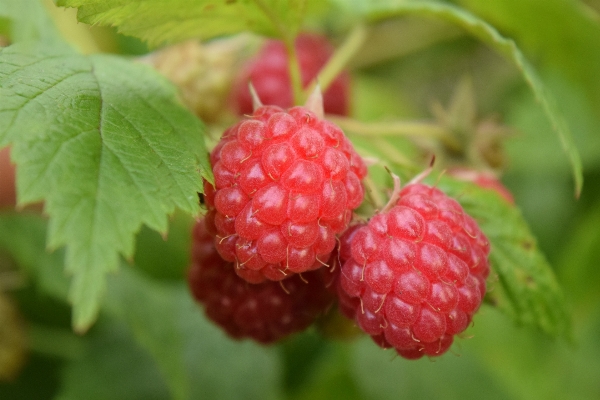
(277, 247)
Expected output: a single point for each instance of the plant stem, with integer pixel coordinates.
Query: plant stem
(288, 39)
(397, 128)
(294, 67)
(338, 61)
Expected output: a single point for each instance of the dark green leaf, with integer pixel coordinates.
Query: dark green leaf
(112, 367)
(159, 21)
(107, 145)
(197, 359)
(383, 375)
(23, 237)
(526, 288)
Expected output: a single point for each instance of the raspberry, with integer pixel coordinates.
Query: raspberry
(265, 312)
(8, 196)
(484, 179)
(202, 71)
(285, 184)
(417, 273)
(270, 76)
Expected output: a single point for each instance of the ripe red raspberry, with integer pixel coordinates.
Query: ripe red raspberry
(270, 76)
(285, 184)
(417, 271)
(265, 312)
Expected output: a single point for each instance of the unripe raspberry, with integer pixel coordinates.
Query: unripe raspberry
(286, 182)
(265, 312)
(269, 74)
(203, 72)
(417, 271)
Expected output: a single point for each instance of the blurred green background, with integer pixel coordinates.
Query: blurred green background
(152, 342)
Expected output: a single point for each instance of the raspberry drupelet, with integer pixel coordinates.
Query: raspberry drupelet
(417, 273)
(286, 183)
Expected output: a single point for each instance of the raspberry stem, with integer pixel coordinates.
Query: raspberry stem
(397, 128)
(294, 67)
(339, 59)
(288, 39)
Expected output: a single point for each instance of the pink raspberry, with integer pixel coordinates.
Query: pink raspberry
(417, 273)
(265, 312)
(286, 182)
(484, 179)
(270, 76)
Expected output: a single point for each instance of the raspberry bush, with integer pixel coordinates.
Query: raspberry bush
(183, 216)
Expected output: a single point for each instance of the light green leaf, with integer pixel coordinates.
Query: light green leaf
(108, 147)
(522, 283)
(382, 10)
(160, 21)
(30, 21)
(23, 237)
(196, 358)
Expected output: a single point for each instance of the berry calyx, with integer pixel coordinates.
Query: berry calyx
(416, 274)
(286, 183)
(269, 74)
(265, 312)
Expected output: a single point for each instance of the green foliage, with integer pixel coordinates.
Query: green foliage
(29, 21)
(159, 21)
(490, 36)
(108, 154)
(526, 288)
(104, 142)
(574, 48)
(164, 320)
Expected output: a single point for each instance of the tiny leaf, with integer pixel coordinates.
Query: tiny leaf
(160, 21)
(107, 145)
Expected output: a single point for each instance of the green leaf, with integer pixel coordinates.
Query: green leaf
(30, 21)
(563, 34)
(23, 237)
(579, 262)
(378, 11)
(113, 367)
(383, 375)
(526, 288)
(107, 145)
(160, 21)
(196, 358)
